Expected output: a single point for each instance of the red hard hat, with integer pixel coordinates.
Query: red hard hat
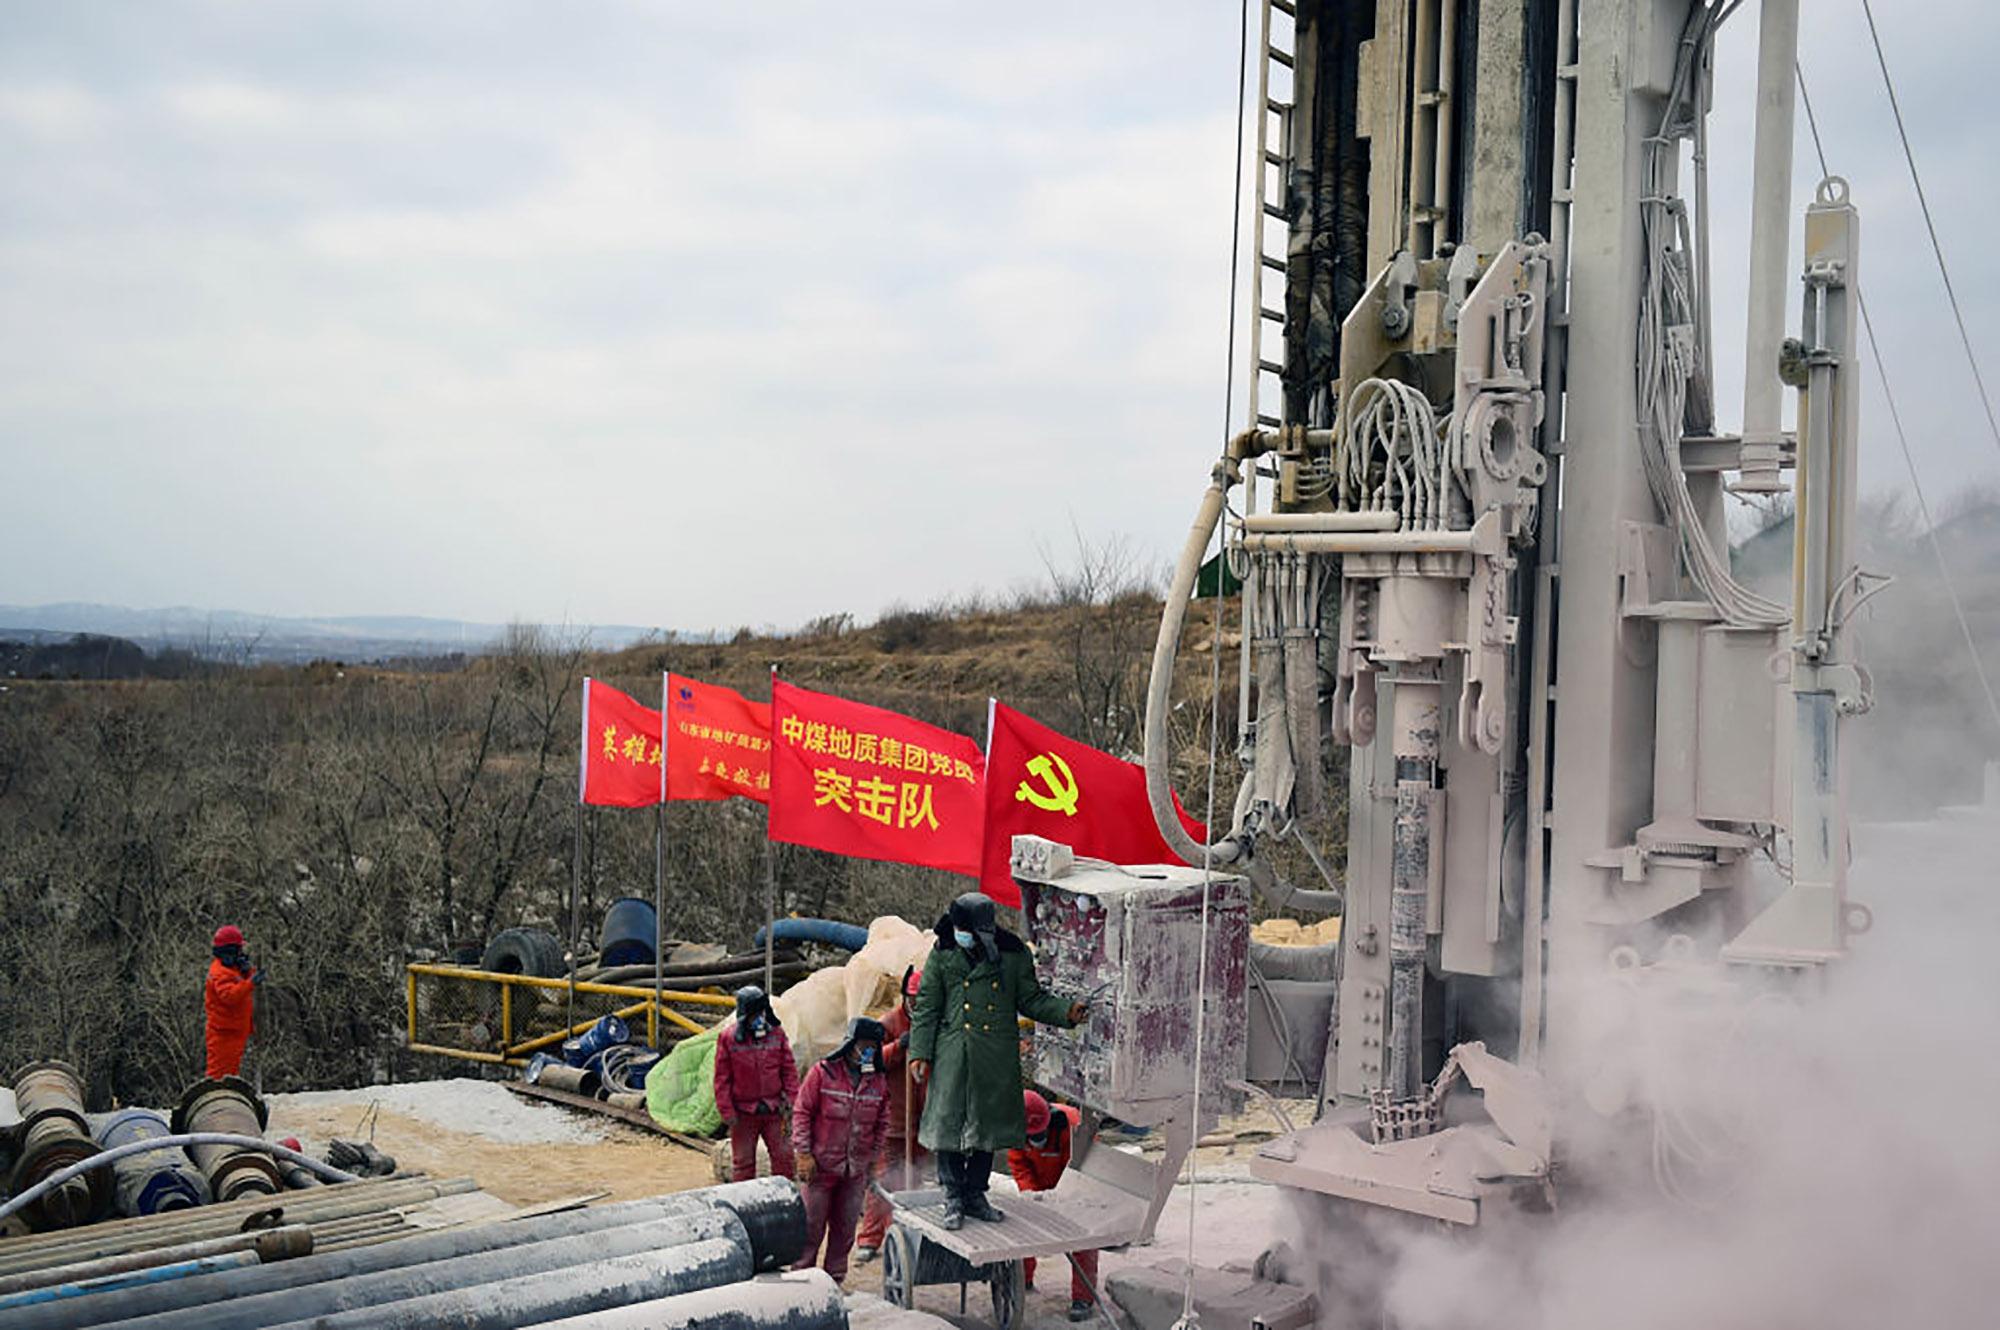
(229, 935)
(913, 979)
(1038, 1112)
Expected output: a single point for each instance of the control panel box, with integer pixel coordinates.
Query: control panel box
(1130, 940)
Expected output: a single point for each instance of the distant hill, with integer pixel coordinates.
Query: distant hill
(275, 639)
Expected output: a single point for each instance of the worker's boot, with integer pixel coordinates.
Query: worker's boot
(954, 1213)
(1080, 1310)
(979, 1207)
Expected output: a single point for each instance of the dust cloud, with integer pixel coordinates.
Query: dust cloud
(1824, 1155)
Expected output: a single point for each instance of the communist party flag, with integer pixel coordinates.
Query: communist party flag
(1039, 783)
(621, 749)
(870, 783)
(718, 742)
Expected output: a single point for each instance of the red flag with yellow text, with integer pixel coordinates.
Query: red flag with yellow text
(862, 781)
(1041, 783)
(718, 742)
(621, 749)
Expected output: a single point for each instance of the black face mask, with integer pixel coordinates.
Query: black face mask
(1038, 1139)
(231, 955)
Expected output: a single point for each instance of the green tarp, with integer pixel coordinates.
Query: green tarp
(680, 1089)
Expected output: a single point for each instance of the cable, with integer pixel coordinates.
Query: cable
(1189, 1318)
(1937, 249)
(1903, 438)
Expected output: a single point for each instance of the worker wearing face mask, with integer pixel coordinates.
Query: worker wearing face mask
(965, 1046)
(755, 1082)
(1038, 1166)
(838, 1122)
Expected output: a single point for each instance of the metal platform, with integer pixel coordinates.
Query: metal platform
(1081, 1214)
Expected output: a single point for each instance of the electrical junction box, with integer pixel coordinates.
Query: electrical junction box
(1131, 941)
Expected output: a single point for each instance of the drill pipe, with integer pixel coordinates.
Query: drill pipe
(59, 1295)
(796, 1300)
(269, 1244)
(228, 1104)
(763, 1206)
(481, 1277)
(567, 1291)
(54, 1135)
(212, 1221)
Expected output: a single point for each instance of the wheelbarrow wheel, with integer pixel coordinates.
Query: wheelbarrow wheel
(1010, 1294)
(899, 1267)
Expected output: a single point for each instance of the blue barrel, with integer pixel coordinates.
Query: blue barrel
(155, 1181)
(629, 930)
(580, 1050)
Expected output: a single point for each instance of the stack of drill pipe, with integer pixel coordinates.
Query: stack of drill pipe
(683, 975)
(228, 1104)
(146, 1184)
(327, 1206)
(268, 1244)
(54, 1134)
(506, 1273)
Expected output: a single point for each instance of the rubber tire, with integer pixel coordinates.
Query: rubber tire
(527, 951)
(899, 1267)
(1009, 1282)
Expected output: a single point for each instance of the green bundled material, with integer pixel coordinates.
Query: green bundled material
(680, 1089)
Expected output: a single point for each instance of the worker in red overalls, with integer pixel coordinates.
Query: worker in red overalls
(1051, 1134)
(901, 1166)
(755, 1081)
(838, 1122)
(229, 998)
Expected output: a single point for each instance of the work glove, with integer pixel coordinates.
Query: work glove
(920, 1070)
(807, 1168)
(257, 978)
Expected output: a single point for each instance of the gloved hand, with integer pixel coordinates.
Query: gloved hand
(807, 1168)
(257, 978)
(920, 1070)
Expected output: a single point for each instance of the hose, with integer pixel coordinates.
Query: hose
(99, 1160)
(831, 932)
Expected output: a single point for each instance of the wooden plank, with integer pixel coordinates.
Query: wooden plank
(637, 1117)
(1037, 1225)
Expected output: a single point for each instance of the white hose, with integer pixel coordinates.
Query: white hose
(113, 1155)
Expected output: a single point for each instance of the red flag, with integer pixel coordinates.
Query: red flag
(718, 742)
(621, 749)
(859, 780)
(1039, 783)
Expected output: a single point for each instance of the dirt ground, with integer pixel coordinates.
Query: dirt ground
(629, 1163)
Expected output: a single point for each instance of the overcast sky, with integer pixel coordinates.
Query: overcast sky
(698, 316)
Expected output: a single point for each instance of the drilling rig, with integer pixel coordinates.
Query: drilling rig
(1478, 509)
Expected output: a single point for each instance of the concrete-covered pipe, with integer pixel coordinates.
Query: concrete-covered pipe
(768, 1208)
(568, 1291)
(59, 1295)
(796, 1300)
(55, 1134)
(368, 1293)
(148, 1184)
(228, 1104)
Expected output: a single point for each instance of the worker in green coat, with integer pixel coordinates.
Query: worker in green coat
(965, 1043)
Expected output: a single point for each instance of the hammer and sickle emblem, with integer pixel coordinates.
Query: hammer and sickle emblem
(1058, 793)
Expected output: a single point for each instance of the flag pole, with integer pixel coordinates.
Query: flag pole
(575, 883)
(770, 903)
(770, 883)
(659, 913)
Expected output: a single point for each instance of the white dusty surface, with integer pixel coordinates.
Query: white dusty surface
(477, 1108)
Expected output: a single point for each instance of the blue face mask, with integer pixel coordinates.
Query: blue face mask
(963, 938)
(868, 1062)
(758, 1026)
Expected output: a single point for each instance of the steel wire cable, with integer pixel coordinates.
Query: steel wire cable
(1924, 203)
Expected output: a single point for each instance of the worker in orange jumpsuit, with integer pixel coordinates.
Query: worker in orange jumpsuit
(1051, 1135)
(901, 1166)
(230, 998)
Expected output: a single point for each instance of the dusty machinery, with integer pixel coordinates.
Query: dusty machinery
(1479, 514)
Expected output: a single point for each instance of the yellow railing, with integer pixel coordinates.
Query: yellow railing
(477, 1016)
